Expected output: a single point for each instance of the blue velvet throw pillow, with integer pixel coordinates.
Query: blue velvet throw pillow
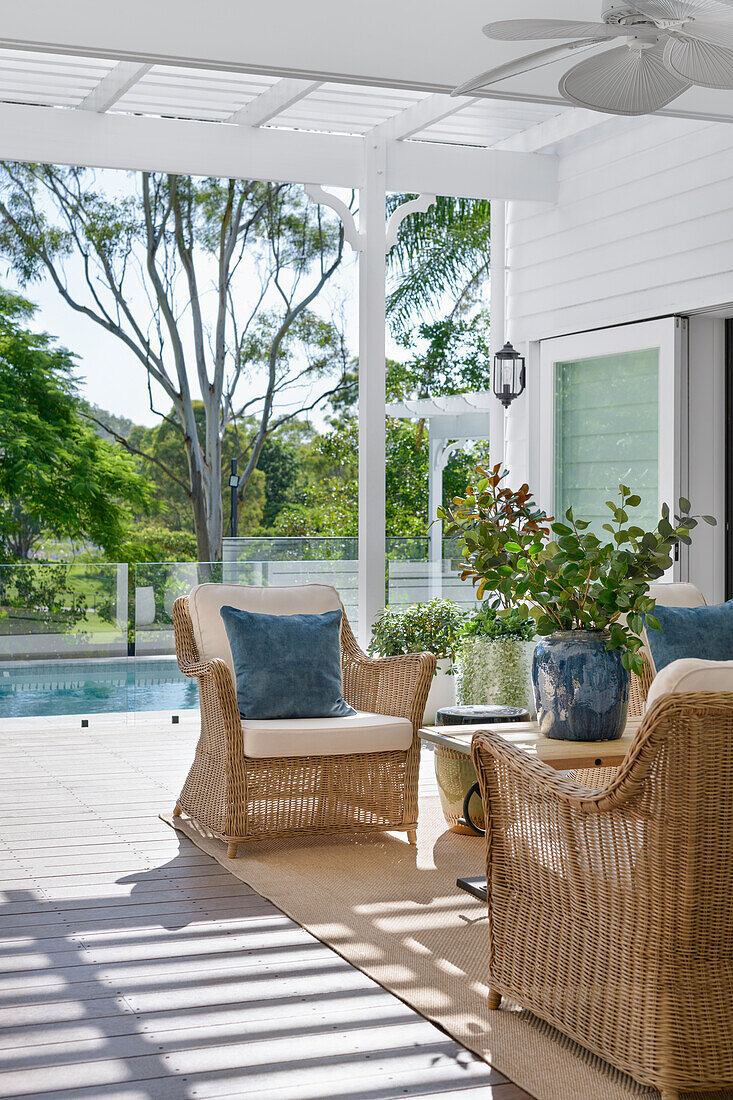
(703, 632)
(286, 666)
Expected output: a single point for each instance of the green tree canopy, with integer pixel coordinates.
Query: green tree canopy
(56, 474)
(208, 283)
(163, 462)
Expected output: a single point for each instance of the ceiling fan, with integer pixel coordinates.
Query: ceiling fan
(670, 45)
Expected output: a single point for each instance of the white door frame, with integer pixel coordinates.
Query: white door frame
(670, 335)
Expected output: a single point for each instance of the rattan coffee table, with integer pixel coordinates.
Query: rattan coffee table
(561, 755)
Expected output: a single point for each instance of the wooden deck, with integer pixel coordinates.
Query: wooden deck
(135, 968)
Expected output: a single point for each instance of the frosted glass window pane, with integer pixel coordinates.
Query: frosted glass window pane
(606, 433)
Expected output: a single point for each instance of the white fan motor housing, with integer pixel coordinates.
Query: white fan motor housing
(616, 14)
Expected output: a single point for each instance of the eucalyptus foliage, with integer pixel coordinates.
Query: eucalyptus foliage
(56, 474)
(557, 571)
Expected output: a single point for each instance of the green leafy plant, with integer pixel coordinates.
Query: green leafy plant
(433, 627)
(489, 622)
(560, 573)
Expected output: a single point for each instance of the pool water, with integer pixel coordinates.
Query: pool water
(104, 686)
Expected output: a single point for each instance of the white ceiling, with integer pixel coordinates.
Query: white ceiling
(427, 45)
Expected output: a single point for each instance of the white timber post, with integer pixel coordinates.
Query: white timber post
(435, 499)
(372, 391)
(373, 238)
(497, 274)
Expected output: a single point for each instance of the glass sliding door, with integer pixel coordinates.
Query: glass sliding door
(605, 436)
(613, 410)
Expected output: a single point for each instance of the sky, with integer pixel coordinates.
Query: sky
(109, 373)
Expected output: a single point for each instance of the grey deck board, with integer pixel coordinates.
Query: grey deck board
(132, 967)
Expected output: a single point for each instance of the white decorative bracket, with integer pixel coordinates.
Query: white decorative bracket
(421, 203)
(446, 452)
(352, 235)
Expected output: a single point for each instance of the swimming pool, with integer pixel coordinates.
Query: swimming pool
(94, 686)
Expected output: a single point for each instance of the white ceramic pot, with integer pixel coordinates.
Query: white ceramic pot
(442, 692)
(144, 606)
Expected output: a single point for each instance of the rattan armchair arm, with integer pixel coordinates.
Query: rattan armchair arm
(221, 729)
(397, 686)
(545, 782)
(639, 687)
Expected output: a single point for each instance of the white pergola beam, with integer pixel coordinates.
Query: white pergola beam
(420, 116)
(114, 85)
(62, 136)
(469, 172)
(137, 143)
(273, 102)
(554, 130)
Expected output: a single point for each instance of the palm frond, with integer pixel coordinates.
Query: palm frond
(442, 251)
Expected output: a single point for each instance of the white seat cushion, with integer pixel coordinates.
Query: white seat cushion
(205, 602)
(360, 732)
(690, 674)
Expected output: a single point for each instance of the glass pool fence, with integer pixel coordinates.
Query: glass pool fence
(80, 639)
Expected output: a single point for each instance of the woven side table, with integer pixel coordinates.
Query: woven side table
(454, 771)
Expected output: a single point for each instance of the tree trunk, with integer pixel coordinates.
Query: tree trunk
(206, 549)
(212, 473)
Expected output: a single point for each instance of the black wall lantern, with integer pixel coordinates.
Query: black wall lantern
(509, 374)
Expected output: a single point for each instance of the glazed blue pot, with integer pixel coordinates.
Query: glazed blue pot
(581, 689)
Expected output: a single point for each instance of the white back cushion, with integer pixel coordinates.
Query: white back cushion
(677, 594)
(690, 674)
(671, 594)
(205, 601)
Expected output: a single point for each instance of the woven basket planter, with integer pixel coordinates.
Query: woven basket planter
(495, 671)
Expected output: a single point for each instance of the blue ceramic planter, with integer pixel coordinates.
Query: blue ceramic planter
(581, 689)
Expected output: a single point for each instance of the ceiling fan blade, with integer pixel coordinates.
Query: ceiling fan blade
(624, 81)
(528, 30)
(523, 64)
(699, 62)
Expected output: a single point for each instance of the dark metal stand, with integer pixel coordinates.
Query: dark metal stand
(466, 820)
(476, 715)
(474, 886)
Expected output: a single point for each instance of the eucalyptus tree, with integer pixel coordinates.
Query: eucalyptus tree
(206, 282)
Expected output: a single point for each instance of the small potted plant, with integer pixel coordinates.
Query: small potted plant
(589, 598)
(495, 659)
(432, 627)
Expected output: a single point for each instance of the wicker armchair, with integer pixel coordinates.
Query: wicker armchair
(611, 911)
(238, 798)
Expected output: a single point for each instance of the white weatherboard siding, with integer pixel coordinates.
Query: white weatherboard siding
(643, 228)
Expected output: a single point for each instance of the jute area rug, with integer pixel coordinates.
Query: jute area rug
(394, 912)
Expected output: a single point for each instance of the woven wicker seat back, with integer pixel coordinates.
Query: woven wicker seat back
(205, 602)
